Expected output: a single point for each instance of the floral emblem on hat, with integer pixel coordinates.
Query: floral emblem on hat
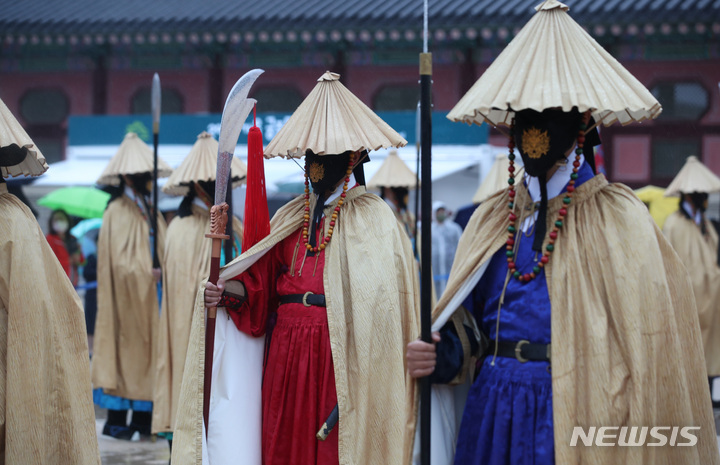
(535, 143)
(316, 172)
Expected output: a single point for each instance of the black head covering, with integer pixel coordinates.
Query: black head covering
(543, 139)
(324, 173)
(12, 155)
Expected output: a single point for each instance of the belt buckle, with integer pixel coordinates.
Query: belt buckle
(518, 351)
(304, 299)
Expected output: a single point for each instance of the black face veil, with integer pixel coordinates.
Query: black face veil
(543, 139)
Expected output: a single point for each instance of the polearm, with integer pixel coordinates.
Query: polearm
(418, 138)
(155, 106)
(237, 108)
(426, 272)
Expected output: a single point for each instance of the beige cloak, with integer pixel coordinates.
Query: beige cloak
(187, 264)
(371, 289)
(128, 307)
(699, 255)
(46, 412)
(626, 344)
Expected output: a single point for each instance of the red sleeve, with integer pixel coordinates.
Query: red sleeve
(58, 247)
(260, 282)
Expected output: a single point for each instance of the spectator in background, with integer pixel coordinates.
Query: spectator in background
(65, 246)
(445, 237)
(89, 271)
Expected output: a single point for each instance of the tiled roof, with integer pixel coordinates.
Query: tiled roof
(93, 17)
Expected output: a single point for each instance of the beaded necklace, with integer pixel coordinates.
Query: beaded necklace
(306, 216)
(550, 247)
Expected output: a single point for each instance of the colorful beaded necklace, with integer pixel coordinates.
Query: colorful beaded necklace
(306, 216)
(550, 247)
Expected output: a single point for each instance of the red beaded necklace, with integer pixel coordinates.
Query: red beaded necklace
(512, 230)
(306, 216)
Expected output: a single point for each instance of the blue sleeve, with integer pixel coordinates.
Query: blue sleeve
(450, 354)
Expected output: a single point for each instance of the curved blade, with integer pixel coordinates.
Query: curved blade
(237, 108)
(155, 103)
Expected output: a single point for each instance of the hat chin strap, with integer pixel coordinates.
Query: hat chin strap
(541, 223)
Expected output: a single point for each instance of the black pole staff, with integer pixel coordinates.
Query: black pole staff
(418, 137)
(426, 273)
(155, 104)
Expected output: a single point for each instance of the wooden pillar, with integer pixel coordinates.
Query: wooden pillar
(216, 83)
(100, 84)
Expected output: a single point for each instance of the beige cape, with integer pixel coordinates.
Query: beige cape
(186, 265)
(46, 413)
(123, 362)
(626, 341)
(699, 255)
(373, 312)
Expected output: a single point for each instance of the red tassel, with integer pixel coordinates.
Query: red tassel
(257, 217)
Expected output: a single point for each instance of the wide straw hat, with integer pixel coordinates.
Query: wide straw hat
(393, 173)
(496, 179)
(12, 133)
(201, 165)
(554, 63)
(693, 177)
(133, 157)
(331, 121)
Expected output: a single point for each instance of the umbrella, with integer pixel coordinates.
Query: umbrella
(85, 226)
(85, 202)
(660, 206)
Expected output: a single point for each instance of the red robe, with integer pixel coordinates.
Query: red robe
(298, 391)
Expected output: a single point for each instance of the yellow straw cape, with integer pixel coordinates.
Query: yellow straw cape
(12, 133)
(693, 177)
(331, 121)
(393, 173)
(201, 165)
(133, 157)
(553, 62)
(496, 179)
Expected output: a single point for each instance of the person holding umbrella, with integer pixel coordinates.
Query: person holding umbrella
(583, 316)
(322, 308)
(123, 367)
(46, 415)
(186, 264)
(695, 240)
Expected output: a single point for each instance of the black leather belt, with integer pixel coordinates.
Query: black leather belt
(308, 299)
(523, 351)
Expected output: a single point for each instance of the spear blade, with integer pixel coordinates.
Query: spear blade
(237, 108)
(155, 101)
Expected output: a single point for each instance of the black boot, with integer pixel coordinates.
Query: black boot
(116, 426)
(141, 422)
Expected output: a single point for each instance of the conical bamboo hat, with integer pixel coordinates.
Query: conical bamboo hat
(12, 133)
(201, 165)
(693, 177)
(553, 62)
(496, 179)
(133, 157)
(331, 121)
(393, 173)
